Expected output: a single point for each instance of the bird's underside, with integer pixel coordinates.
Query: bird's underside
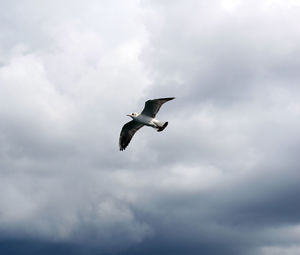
(146, 117)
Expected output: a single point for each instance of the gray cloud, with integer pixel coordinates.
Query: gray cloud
(222, 179)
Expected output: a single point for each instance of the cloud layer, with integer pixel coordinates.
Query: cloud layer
(223, 177)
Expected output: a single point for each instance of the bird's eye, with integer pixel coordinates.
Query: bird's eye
(132, 114)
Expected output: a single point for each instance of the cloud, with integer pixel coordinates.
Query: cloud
(223, 177)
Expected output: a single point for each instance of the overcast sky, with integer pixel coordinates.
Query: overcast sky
(223, 177)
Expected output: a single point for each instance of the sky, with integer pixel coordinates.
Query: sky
(222, 178)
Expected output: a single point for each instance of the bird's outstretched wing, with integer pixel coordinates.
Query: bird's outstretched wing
(152, 106)
(127, 133)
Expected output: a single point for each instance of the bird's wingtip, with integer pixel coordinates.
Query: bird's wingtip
(168, 98)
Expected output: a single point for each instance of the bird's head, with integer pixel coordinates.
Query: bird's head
(133, 115)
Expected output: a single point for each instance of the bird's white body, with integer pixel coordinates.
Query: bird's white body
(147, 121)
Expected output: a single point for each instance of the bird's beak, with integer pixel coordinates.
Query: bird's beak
(128, 115)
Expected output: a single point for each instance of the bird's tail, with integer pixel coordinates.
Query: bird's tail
(162, 127)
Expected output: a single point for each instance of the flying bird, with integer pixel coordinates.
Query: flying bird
(145, 118)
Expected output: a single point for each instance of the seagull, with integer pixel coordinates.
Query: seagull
(145, 118)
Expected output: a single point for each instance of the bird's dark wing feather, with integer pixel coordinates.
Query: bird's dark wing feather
(152, 106)
(127, 133)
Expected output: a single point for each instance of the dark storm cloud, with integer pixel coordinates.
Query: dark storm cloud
(222, 179)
